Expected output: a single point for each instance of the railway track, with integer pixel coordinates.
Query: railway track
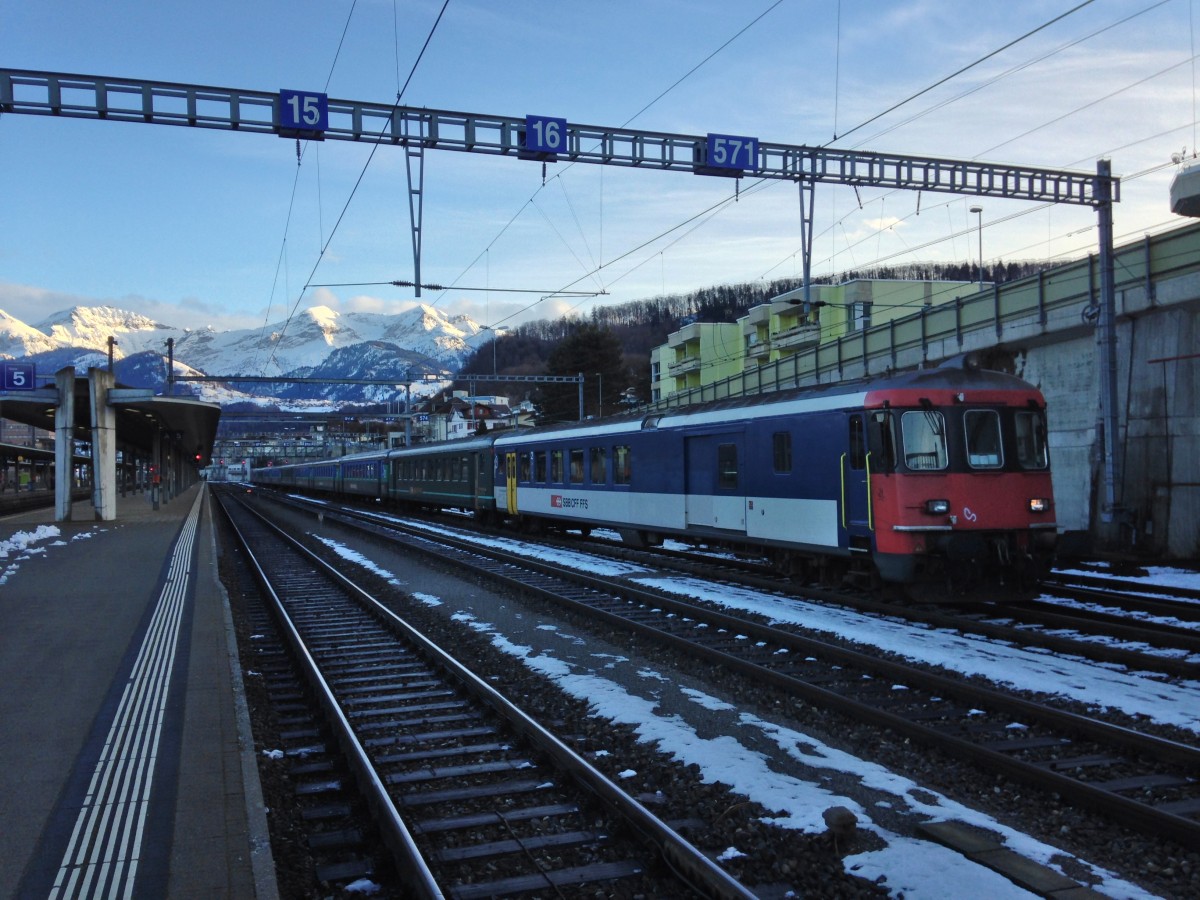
(472, 797)
(1133, 597)
(1108, 629)
(1137, 779)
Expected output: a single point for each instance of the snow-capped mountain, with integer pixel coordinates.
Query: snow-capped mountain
(318, 342)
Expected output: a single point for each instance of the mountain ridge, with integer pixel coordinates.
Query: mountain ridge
(320, 340)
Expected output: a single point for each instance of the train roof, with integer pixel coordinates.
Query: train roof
(957, 375)
(467, 444)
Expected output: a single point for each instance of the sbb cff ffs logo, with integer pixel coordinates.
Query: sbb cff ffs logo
(558, 501)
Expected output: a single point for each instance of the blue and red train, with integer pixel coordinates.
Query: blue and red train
(941, 474)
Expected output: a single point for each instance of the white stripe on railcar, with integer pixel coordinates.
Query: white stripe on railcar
(636, 510)
(777, 520)
(793, 521)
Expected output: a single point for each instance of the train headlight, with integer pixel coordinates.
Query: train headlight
(1039, 505)
(937, 507)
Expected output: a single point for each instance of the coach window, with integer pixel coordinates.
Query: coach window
(1032, 452)
(781, 444)
(983, 439)
(599, 465)
(556, 466)
(858, 444)
(727, 466)
(539, 466)
(622, 468)
(577, 465)
(523, 467)
(924, 434)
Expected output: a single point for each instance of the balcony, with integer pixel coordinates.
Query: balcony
(684, 366)
(797, 336)
(757, 348)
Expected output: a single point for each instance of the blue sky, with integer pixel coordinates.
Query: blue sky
(192, 227)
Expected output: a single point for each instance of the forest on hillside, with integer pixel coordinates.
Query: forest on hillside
(612, 344)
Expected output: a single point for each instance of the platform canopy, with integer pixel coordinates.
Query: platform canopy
(141, 416)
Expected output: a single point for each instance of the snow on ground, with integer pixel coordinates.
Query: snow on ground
(916, 869)
(1166, 576)
(19, 546)
(1041, 671)
(1023, 669)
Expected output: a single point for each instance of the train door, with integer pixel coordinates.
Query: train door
(716, 495)
(510, 480)
(857, 519)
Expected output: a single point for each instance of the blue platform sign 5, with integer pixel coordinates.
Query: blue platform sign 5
(729, 151)
(544, 134)
(17, 376)
(303, 111)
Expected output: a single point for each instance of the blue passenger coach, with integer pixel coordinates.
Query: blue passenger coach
(726, 473)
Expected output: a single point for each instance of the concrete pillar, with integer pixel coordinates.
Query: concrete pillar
(64, 443)
(104, 444)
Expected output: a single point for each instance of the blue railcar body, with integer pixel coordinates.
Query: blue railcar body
(903, 477)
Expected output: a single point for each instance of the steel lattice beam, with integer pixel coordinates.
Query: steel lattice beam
(165, 103)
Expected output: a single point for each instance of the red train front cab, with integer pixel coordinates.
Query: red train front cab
(960, 482)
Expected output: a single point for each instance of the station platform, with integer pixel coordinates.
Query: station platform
(129, 766)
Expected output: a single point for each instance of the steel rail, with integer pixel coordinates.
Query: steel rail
(691, 864)
(412, 867)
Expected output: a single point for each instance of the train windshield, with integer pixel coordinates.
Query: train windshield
(984, 449)
(924, 435)
(1032, 452)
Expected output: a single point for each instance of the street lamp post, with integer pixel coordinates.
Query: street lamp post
(978, 210)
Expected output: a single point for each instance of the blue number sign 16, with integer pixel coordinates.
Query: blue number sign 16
(729, 151)
(544, 134)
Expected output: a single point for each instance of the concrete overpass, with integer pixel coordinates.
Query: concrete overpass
(162, 441)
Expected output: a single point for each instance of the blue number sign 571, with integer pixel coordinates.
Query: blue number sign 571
(729, 151)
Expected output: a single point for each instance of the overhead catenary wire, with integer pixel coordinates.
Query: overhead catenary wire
(966, 68)
(960, 71)
(567, 168)
(357, 184)
(292, 201)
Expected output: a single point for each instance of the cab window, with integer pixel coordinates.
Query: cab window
(924, 433)
(880, 441)
(984, 450)
(1032, 452)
